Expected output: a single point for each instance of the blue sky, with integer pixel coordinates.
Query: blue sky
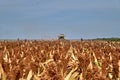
(45, 19)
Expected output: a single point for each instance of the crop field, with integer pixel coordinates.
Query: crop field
(59, 60)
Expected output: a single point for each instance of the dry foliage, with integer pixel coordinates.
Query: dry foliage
(59, 60)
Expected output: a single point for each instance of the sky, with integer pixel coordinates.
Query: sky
(46, 19)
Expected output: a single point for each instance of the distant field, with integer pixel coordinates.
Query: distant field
(59, 60)
(109, 39)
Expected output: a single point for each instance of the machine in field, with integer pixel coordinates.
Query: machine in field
(61, 37)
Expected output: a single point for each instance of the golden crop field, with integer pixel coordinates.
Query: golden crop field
(59, 60)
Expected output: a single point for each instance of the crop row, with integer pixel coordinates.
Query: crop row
(59, 60)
